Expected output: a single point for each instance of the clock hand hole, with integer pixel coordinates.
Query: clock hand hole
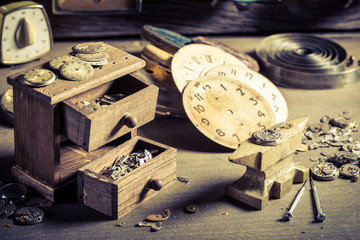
(229, 112)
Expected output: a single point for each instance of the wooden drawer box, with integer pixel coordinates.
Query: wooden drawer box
(116, 198)
(91, 130)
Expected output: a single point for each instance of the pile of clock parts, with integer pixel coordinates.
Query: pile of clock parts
(76, 67)
(334, 132)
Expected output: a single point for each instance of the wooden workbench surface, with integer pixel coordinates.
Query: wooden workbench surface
(209, 171)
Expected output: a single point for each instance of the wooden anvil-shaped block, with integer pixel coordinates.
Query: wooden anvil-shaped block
(270, 171)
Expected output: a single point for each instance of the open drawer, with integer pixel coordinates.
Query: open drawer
(90, 126)
(117, 197)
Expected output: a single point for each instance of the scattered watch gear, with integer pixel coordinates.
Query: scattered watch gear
(89, 47)
(38, 77)
(319, 127)
(7, 207)
(57, 62)
(76, 70)
(29, 215)
(325, 171)
(349, 170)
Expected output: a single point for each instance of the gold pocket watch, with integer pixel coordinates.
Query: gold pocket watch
(25, 32)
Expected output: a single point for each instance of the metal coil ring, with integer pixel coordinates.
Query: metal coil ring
(303, 61)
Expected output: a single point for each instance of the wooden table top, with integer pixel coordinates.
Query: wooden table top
(207, 167)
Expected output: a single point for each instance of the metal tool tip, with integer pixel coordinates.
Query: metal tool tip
(321, 217)
(288, 216)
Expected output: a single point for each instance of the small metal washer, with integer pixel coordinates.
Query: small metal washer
(191, 208)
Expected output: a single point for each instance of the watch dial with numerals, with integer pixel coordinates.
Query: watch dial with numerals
(259, 83)
(226, 110)
(194, 60)
(25, 32)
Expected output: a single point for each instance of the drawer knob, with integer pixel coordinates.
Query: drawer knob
(155, 184)
(130, 121)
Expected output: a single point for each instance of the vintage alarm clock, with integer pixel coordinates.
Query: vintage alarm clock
(25, 32)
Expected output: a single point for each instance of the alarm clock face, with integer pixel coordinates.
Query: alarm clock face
(194, 60)
(259, 83)
(25, 33)
(226, 110)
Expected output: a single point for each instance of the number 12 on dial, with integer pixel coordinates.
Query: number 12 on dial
(225, 110)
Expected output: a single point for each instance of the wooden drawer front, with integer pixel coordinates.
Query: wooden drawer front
(92, 130)
(116, 198)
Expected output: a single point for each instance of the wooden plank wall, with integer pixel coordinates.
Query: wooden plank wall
(202, 17)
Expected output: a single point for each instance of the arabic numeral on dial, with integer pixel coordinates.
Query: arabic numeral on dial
(220, 132)
(198, 96)
(261, 126)
(276, 108)
(241, 91)
(199, 108)
(221, 73)
(255, 102)
(206, 87)
(261, 114)
(205, 121)
(273, 96)
(236, 136)
(249, 75)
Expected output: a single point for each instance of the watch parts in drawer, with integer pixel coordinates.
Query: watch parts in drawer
(99, 103)
(126, 163)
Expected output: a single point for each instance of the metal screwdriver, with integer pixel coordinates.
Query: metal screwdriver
(289, 214)
(320, 215)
